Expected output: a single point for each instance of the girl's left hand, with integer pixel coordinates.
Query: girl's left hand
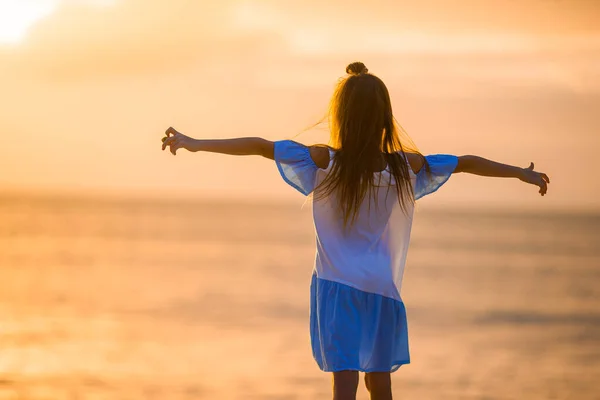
(539, 179)
(176, 140)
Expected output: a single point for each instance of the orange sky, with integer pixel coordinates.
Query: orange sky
(90, 88)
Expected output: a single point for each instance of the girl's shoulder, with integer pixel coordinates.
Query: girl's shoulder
(416, 161)
(320, 155)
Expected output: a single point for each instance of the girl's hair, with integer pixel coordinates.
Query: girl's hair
(364, 133)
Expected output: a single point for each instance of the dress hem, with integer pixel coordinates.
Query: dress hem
(395, 368)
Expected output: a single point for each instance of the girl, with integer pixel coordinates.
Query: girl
(364, 186)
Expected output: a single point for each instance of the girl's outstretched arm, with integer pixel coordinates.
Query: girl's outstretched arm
(484, 167)
(237, 147)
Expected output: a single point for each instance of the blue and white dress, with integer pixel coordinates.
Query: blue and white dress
(357, 317)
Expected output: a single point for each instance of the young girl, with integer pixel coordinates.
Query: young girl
(364, 186)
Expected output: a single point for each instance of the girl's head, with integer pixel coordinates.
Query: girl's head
(365, 136)
(361, 113)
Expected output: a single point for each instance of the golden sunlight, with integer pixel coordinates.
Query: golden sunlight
(17, 16)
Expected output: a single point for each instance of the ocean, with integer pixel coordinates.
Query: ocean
(187, 299)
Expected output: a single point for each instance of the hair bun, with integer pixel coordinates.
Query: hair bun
(356, 68)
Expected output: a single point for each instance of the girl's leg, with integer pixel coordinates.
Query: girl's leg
(379, 385)
(345, 384)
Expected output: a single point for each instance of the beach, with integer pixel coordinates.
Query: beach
(189, 299)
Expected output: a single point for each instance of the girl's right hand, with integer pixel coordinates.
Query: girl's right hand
(176, 140)
(540, 179)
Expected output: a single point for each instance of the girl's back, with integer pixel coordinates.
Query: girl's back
(370, 254)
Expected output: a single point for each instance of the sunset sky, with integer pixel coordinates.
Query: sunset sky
(89, 87)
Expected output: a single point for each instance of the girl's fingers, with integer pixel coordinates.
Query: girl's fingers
(167, 142)
(171, 131)
(173, 139)
(545, 177)
(543, 188)
(170, 141)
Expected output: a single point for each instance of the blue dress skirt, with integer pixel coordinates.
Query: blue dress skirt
(354, 330)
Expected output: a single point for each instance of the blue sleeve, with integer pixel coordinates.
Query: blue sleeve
(295, 165)
(441, 167)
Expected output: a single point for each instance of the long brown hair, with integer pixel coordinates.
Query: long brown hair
(364, 133)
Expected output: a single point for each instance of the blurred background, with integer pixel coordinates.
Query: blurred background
(128, 273)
